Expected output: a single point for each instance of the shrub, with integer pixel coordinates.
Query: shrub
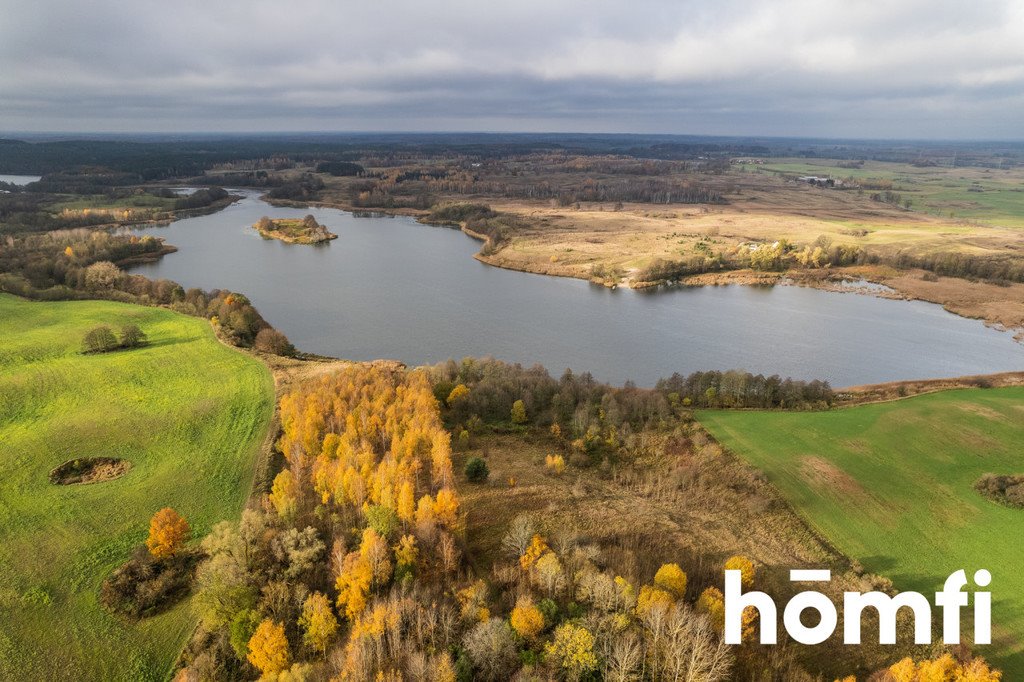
(519, 412)
(555, 464)
(103, 275)
(270, 340)
(145, 586)
(99, 340)
(476, 470)
(132, 336)
(1007, 490)
(457, 394)
(549, 609)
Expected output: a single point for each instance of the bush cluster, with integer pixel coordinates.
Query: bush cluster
(102, 339)
(145, 586)
(1008, 490)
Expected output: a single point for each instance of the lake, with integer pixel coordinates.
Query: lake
(390, 287)
(19, 179)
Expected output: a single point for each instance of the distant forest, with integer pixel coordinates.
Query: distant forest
(156, 158)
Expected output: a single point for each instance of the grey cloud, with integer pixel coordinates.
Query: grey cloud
(789, 67)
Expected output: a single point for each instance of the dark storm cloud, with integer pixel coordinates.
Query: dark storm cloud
(858, 68)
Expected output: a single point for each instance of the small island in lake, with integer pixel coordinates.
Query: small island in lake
(294, 231)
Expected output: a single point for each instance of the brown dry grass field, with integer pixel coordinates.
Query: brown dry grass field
(634, 236)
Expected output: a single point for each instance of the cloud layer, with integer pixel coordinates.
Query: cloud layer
(788, 67)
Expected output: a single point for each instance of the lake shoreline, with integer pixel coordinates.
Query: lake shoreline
(964, 298)
(691, 326)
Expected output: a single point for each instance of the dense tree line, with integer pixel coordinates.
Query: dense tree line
(83, 180)
(252, 178)
(773, 257)
(567, 192)
(157, 159)
(651, 191)
(201, 198)
(494, 227)
(306, 188)
(414, 174)
(606, 164)
(781, 255)
(961, 265)
(371, 194)
(22, 211)
(575, 402)
(457, 214)
(340, 168)
(495, 386)
(29, 208)
(59, 259)
(743, 389)
(164, 159)
(664, 270)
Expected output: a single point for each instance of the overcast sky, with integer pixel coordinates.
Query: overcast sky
(851, 68)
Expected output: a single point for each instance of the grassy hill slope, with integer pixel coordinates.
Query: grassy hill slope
(188, 412)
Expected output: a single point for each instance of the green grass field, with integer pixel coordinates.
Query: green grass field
(991, 196)
(187, 411)
(891, 486)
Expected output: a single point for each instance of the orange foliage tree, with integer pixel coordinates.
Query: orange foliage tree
(672, 578)
(945, 668)
(746, 568)
(526, 619)
(268, 648)
(168, 531)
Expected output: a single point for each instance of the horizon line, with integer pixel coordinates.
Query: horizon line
(15, 134)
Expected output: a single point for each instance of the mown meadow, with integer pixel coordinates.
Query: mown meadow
(892, 486)
(188, 412)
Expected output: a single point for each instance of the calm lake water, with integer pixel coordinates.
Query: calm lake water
(392, 288)
(19, 179)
